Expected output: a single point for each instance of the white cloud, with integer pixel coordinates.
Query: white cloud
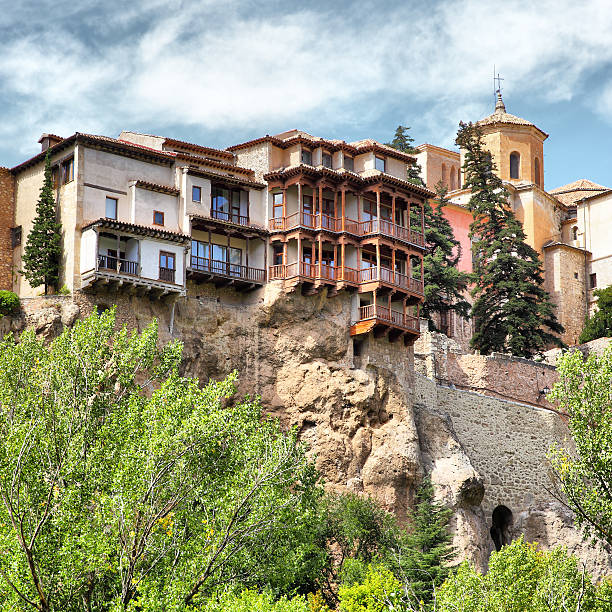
(230, 66)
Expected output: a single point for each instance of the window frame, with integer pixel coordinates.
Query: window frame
(308, 154)
(352, 164)
(116, 200)
(378, 158)
(275, 205)
(515, 155)
(163, 218)
(16, 236)
(593, 280)
(67, 177)
(326, 156)
(193, 188)
(168, 255)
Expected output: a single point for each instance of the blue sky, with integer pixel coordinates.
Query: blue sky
(218, 73)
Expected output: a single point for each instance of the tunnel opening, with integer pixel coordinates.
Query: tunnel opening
(502, 520)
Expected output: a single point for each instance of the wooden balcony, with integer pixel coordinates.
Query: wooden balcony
(120, 266)
(373, 227)
(223, 273)
(386, 321)
(229, 217)
(374, 278)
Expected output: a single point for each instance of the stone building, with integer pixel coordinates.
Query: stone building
(567, 226)
(153, 215)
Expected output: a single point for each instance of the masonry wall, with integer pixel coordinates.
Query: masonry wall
(7, 219)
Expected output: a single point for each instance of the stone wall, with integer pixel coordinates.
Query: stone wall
(7, 215)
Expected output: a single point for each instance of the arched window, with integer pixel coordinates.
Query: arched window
(574, 233)
(458, 178)
(453, 185)
(536, 169)
(444, 179)
(515, 162)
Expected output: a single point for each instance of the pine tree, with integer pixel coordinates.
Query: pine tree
(430, 544)
(600, 324)
(43, 251)
(402, 141)
(444, 282)
(512, 312)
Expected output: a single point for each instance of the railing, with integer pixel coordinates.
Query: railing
(388, 315)
(369, 275)
(277, 272)
(224, 268)
(388, 228)
(229, 216)
(350, 275)
(121, 266)
(166, 274)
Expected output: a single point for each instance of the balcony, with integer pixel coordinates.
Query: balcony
(120, 266)
(229, 217)
(386, 321)
(372, 227)
(370, 278)
(225, 273)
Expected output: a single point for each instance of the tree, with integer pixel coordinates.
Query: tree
(402, 141)
(123, 484)
(600, 324)
(42, 253)
(582, 477)
(512, 312)
(444, 282)
(521, 578)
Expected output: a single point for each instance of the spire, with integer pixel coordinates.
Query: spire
(500, 107)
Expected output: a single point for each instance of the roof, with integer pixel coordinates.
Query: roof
(426, 146)
(157, 187)
(223, 178)
(214, 163)
(556, 243)
(139, 230)
(172, 142)
(572, 192)
(293, 137)
(501, 116)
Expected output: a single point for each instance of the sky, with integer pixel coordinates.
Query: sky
(221, 72)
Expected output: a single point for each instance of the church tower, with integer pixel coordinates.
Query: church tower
(516, 145)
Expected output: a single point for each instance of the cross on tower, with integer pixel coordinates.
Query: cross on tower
(498, 79)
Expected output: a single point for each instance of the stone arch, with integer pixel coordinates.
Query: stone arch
(515, 165)
(502, 520)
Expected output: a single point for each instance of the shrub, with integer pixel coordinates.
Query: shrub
(600, 324)
(379, 591)
(252, 601)
(9, 303)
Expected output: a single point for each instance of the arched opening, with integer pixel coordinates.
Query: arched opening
(444, 178)
(458, 178)
(574, 233)
(515, 162)
(502, 520)
(536, 171)
(453, 184)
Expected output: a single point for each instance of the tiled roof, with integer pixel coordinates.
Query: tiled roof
(157, 187)
(223, 178)
(198, 148)
(214, 163)
(573, 192)
(139, 230)
(501, 116)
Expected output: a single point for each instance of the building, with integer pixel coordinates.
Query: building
(567, 226)
(158, 216)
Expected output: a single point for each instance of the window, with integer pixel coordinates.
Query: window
(158, 217)
(277, 255)
(306, 157)
(55, 176)
(593, 280)
(67, 170)
(576, 275)
(327, 160)
(226, 204)
(16, 236)
(196, 193)
(574, 233)
(111, 208)
(349, 163)
(277, 206)
(166, 266)
(536, 171)
(515, 161)
(379, 163)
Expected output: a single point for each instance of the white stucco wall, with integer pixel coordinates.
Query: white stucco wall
(147, 201)
(88, 250)
(149, 254)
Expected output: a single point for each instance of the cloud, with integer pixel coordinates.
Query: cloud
(241, 66)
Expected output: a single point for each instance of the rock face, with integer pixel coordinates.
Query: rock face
(373, 426)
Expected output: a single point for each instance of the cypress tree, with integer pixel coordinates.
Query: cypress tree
(444, 282)
(43, 251)
(512, 312)
(402, 141)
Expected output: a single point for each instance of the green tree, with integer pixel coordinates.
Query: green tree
(523, 579)
(512, 312)
(379, 591)
(43, 251)
(125, 486)
(403, 141)
(583, 477)
(600, 324)
(444, 282)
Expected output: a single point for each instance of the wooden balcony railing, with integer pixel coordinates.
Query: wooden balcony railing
(226, 269)
(166, 274)
(229, 216)
(334, 224)
(388, 315)
(369, 275)
(121, 266)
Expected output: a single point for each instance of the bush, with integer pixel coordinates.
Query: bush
(379, 591)
(9, 303)
(252, 601)
(600, 324)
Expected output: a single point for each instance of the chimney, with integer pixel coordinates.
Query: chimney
(48, 140)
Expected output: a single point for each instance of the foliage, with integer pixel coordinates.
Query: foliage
(522, 579)
(123, 482)
(379, 591)
(429, 544)
(512, 312)
(252, 601)
(600, 324)
(63, 290)
(9, 303)
(403, 141)
(584, 393)
(43, 251)
(444, 282)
